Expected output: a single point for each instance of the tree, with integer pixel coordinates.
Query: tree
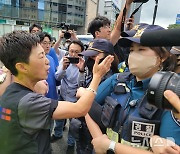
(173, 26)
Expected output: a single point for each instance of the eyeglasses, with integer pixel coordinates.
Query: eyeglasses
(74, 51)
(46, 43)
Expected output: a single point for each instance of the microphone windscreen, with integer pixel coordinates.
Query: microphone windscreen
(167, 37)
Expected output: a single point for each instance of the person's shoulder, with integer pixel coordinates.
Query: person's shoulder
(51, 60)
(33, 96)
(49, 57)
(34, 99)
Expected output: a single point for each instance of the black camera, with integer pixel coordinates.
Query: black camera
(65, 28)
(160, 82)
(140, 1)
(73, 60)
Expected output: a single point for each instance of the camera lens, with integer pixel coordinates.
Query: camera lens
(160, 82)
(67, 35)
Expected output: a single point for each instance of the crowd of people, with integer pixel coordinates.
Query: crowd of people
(102, 90)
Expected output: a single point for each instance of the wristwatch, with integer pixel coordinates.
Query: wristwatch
(111, 149)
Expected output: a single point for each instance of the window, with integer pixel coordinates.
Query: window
(54, 19)
(55, 4)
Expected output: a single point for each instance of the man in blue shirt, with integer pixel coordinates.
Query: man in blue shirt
(45, 42)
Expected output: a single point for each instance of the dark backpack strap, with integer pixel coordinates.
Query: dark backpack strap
(121, 89)
(148, 111)
(95, 113)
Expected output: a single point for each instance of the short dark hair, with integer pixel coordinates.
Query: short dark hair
(97, 23)
(35, 25)
(16, 47)
(42, 35)
(76, 42)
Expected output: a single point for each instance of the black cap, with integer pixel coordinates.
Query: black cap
(126, 41)
(132, 32)
(98, 46)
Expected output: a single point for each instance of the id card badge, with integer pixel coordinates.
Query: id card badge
(112, 135)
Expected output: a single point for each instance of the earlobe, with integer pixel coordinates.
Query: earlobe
(21, 67)
(96, 33)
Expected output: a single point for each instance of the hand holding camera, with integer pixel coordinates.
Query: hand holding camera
(65, 28)
(174, 101)
(81, 64)
(67, 60)
(130, 23)
(61, 35)
(160, 82)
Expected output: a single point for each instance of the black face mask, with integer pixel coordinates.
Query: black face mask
(90, 63)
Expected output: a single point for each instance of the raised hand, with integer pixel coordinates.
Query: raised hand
(102, 68)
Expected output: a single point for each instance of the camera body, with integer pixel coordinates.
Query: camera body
(65, 28)
(160, 82)
(140, 1)
(73, 60)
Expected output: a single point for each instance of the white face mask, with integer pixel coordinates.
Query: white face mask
(141, 65)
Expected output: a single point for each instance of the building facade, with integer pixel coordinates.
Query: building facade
(112, 8)
(91, 13)
(48, 13)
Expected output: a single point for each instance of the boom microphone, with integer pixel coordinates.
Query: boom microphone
(167, 37)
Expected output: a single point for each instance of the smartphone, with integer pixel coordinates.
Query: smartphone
(73, 60)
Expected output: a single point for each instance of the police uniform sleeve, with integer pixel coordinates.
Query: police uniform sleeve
(105, 89)
(35, 112)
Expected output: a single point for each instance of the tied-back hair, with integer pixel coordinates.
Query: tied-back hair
(170, 60)
(16, 47)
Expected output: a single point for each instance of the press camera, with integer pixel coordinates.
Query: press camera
(65, 28)
(160, 82)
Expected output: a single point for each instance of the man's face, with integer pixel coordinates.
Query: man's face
(74, 50)
(38, 67)
(104, 32)
(35, 30)
(46, 44)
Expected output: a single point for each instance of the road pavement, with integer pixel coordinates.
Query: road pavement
(60, 146)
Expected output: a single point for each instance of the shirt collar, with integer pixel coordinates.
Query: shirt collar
(144, 83)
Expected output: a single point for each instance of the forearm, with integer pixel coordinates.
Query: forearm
(85, 101)
(56, 46)
(116, 32)
(60, 74)
(81, 107)
(125, 149)
(93, 127)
